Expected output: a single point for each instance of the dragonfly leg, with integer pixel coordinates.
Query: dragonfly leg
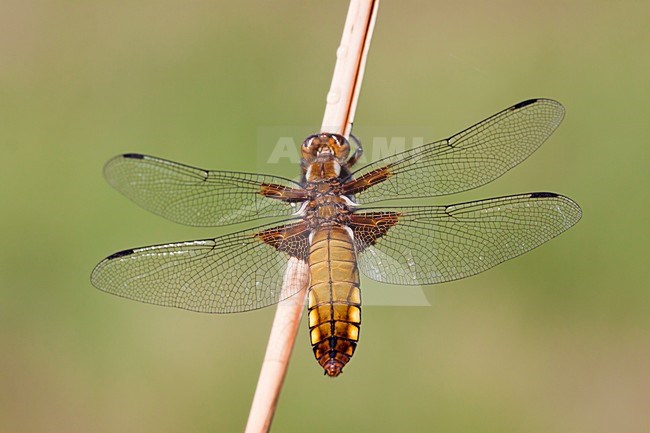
(357, 153)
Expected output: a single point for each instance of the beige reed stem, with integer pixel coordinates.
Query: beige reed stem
(339, 115)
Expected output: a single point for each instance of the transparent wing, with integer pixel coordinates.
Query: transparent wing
(228, 274)
(193, 196)
(464, 161)
(428, 245)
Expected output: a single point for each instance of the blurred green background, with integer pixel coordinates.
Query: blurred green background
(555, 341)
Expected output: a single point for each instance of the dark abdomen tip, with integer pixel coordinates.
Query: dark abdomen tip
(333, 367)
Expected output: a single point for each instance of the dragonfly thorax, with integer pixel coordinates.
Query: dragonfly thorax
(326, 207)
(323, 170)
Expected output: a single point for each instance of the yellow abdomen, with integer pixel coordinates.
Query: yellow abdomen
(334, 298)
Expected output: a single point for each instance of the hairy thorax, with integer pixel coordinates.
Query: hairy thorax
(326, 204)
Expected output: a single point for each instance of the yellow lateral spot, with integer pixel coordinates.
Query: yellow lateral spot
(314, 318)
(354, 314)
(315, 336)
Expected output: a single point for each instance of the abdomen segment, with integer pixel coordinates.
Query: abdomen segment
(334, 298)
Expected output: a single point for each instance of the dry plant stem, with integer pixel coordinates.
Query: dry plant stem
(339, 115)
(350, 65)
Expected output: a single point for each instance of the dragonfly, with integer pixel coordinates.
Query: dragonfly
(329, 224)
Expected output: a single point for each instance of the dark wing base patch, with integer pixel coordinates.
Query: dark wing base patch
(292, 239)
(370, 226)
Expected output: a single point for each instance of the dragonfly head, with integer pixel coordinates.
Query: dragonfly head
(325, 146)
